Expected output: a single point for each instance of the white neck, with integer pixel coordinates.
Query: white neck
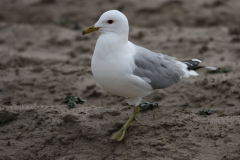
(110, 42)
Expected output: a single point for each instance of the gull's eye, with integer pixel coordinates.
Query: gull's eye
(110, 21)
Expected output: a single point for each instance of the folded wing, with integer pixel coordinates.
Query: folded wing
(160, 71)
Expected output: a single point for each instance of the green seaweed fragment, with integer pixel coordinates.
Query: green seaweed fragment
(205, 112)
(71, 101)
(147, 106)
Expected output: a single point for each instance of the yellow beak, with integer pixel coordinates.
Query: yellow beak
(89, 30)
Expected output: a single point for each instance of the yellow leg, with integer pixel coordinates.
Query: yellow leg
(120, 134)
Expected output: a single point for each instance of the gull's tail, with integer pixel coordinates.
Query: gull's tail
(193, 65)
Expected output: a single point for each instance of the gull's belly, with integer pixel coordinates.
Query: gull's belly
(110, 77)
(115, 76)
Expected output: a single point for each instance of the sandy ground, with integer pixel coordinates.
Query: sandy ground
(44, 58)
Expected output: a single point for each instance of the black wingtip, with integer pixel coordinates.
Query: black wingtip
(193, 64)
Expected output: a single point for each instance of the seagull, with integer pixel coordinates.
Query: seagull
(125, 69)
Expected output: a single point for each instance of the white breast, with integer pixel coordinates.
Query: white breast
(112, 67)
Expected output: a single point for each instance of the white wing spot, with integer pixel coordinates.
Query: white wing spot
(196, 60)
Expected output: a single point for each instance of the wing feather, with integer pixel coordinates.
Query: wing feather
(161, 70)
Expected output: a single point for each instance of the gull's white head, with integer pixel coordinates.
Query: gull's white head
(111, 21)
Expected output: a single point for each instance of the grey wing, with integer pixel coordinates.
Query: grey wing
(160, 71)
